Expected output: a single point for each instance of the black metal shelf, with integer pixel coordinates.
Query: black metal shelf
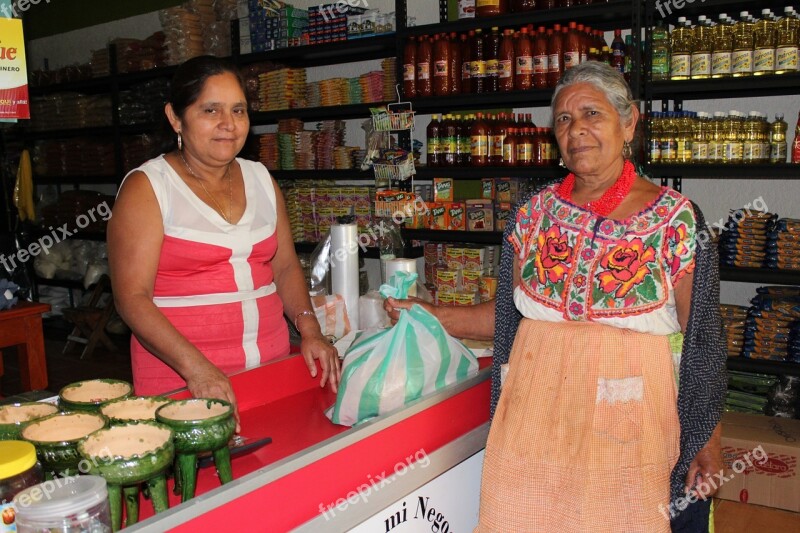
(476, 173)
(747, 86)
(785, 171)
(65, 283)
(763, 366)
(88, 85)
(70, 180)
(607, 16)
(480, 237)
(760, 275)
(482, 101)
(77, 234)
(411, 252)
(312, 55)
(314, 114)
(323, 174)
(96, 131)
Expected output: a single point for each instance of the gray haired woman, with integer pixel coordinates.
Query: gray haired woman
(607, 314)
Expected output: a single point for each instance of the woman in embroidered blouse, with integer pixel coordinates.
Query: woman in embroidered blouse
(201, 254)
(590, 433)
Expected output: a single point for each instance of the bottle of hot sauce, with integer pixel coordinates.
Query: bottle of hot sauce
(478, 70)
(584, 43)
(424, 59)
(465, 141)
(434, 135)
(490, 8)
(540, 59)
(555, 51)
(410, 68)
(499, 131)
(510, 148)
(524, 148)
(539, 148)
(505, 62)
(466, 62)
(454, 71)
(523, 74)
(441, 65)
(572, 47)
(492, 52)
(479, 142)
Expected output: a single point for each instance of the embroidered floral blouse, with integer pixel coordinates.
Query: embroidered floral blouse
(579, 266)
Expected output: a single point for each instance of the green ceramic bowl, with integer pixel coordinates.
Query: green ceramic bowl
(129, 453)
(200, 425)
(133, 409)
(56, 439)
(90, 395)
(16, 416)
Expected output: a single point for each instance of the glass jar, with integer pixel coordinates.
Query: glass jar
(18, 471)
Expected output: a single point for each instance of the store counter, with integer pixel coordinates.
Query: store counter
(318, 476)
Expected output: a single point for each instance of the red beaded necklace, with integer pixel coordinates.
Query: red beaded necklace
(611, 199)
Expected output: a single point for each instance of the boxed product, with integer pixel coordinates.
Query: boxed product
(506, 189)
(455, 216)
(480, 215)
(502, 214)
(447, 281)
(454, 257)
(760, 454)
(443, 189)
(471, 280)
(438, 216)
(474, 258)
(487, 188)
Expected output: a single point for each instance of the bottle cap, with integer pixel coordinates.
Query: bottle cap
(18, 456)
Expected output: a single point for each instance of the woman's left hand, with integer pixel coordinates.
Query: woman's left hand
(705, 466)
(318, 347)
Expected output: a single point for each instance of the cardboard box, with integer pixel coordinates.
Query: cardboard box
(480, 215)
(761, 455)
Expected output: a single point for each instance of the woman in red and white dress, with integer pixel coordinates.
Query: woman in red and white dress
(202, 260)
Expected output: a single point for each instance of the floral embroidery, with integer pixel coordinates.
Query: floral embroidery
(554, 255)
(627, 266)
(563, 212)
(662, 211)
(642, 224)
(676, 239)
(576, 308)
(607, 226)
(579, 281)
(587, 254)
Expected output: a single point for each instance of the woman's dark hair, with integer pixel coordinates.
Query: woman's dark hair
(187, 84)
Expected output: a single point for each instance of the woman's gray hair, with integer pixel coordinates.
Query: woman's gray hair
(605, 79)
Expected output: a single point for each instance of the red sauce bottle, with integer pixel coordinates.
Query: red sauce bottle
(499, 131)
(424, 59)
(490, 8)
(555, 51)
(464, 141)
(479, 142)
(410, 69)
(572, 47)
(441, 65)
(466, 62)
(540, 59)
(492, 52)
(510, 148)
(584, 44)
(478, 71)
(505, 62)
(539, 147)
(524, 149)
(523, 74)
(454, 71)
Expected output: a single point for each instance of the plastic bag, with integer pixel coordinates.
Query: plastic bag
(387, 369)
(332, 315)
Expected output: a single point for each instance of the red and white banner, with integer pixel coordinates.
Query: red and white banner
(13, 73)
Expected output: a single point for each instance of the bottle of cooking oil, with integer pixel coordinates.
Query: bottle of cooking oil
(764, 45)
(654, 144)
(683, 138)
(777, 140)
(721, 48)
(669, 145)
(701, 49)
(716, 138)
(764, 137)
(786, 59)
(661, 52)
(681, 50)
(742, 47)
(751, 147)
(733, 138)
(700, 135)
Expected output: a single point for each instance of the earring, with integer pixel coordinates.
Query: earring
(180, 142)
(627, 151)
(561, 163)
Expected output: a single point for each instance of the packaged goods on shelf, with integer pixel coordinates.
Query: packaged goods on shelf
(73, 204)
(74, 157)
(744, 242)
(282, 89)
(195, 28)
(783, 245)
(733, 322)
(136, 149)
(461, 274)
(143, 103)
(294, 148)
(70, 110)
(771, 322)
(313, 209)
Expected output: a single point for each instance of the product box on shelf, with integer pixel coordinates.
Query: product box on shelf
(487, 188)
(456, 219)
(502, 214)
(760, 454)
(506, 189)
(438, 216)
(443, 189)
(480, 215)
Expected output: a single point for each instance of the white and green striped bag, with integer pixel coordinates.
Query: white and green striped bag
(387, 369)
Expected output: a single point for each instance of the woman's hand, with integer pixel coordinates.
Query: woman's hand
(392, 306)
(209, 382)
(318, 347)
(705, 465)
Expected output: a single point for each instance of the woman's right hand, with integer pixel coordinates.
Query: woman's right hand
(392, 306)
(210, 382)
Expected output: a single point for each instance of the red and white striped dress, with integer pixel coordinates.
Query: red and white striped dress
(214, 281)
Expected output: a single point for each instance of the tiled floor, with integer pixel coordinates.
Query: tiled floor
(63, 369)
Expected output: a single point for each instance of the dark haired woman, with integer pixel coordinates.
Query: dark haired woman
(201, 254)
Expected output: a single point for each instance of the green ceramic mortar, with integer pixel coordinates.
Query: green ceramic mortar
(92, 405)
(59, 455)
(15, 416)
